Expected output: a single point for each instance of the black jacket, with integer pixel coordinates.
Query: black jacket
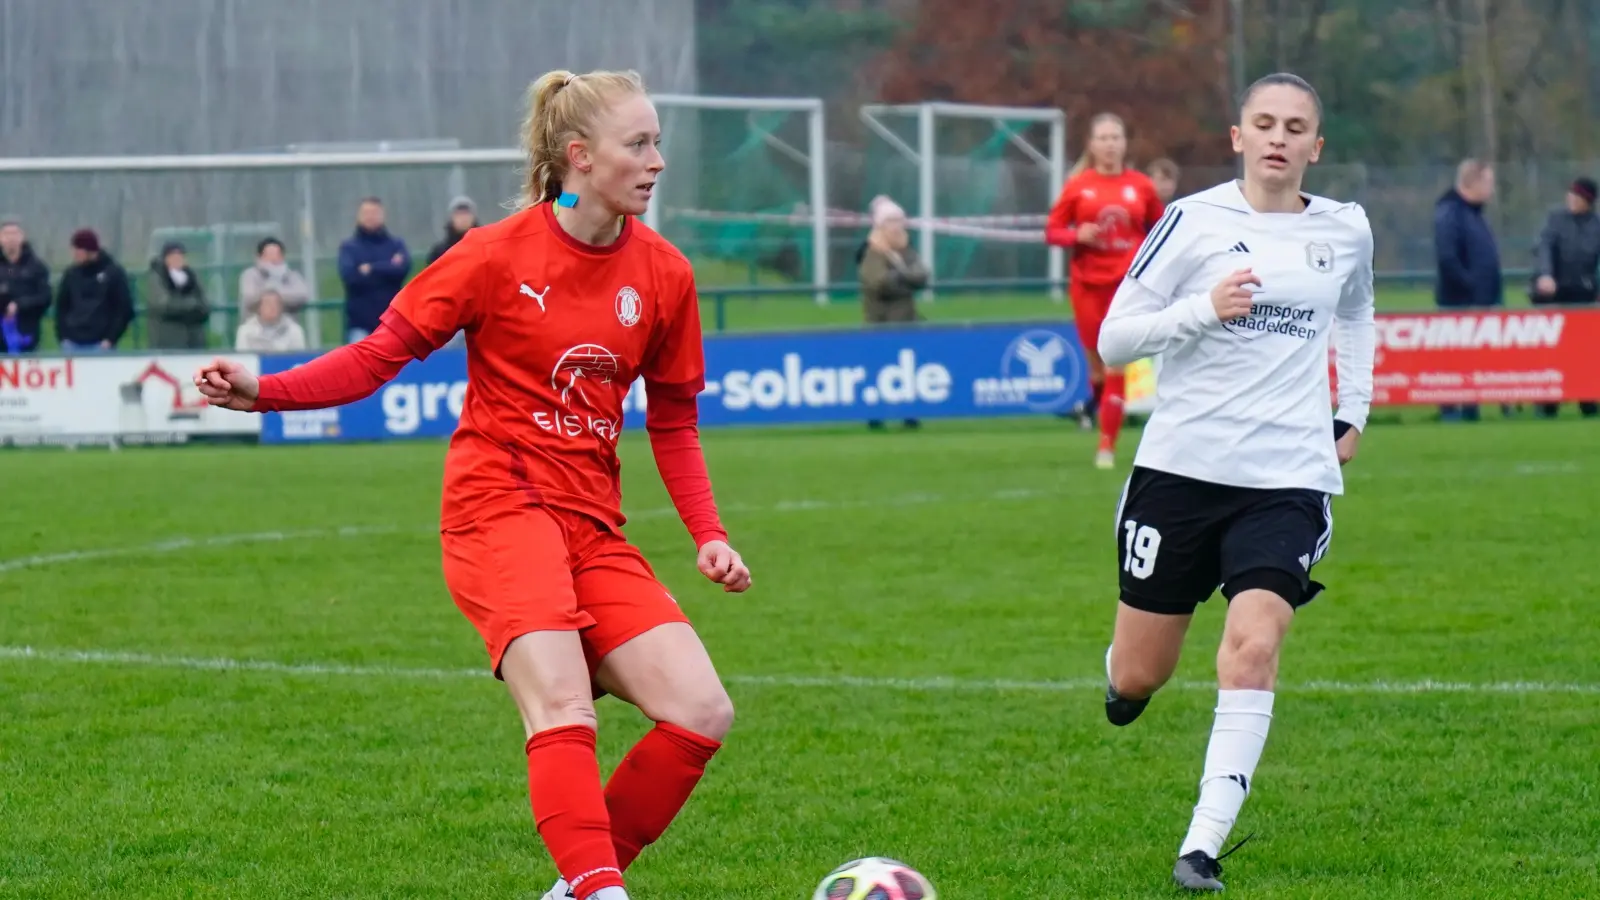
(26, 283)
(1468, 256)
(93, 302)
(1569, 252)
(452, 237)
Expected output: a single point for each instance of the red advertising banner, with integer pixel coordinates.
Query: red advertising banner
(1513, 356)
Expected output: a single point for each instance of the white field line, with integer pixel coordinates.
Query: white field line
(178, 544)
(923, 685)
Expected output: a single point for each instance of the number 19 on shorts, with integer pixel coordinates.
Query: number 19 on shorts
(1139, 546)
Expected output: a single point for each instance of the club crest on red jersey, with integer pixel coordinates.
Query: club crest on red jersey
(629, 307)
(585, 362)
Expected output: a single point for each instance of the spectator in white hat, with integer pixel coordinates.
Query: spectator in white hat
(891, 272)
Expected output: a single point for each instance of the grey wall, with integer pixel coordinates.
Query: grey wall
(92, 77)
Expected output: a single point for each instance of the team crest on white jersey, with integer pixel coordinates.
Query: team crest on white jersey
(628, 307)
(1319, 257)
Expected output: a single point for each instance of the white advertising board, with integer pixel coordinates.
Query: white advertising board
(128, 399)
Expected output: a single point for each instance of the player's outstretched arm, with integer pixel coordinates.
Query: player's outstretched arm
(422, 318)
(345, 375)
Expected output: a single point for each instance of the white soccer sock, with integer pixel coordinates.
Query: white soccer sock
(1237, 739)
(610, 893)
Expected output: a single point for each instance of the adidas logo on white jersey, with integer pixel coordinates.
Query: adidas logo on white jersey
(1239, 248)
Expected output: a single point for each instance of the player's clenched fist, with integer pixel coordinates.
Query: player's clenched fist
(1231, 298)
(723, 565)
(228, 384)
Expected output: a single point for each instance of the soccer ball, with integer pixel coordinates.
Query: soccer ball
(874, 878)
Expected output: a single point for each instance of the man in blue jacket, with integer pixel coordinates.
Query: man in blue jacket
(1468, 256)
(374, 265)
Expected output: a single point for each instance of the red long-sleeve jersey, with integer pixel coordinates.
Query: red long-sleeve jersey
(557, 332)
(1122, 207)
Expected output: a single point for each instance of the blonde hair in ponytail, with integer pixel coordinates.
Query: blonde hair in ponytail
(562, 108)
(1085, 160)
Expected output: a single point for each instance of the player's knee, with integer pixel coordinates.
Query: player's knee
(1248, 658)
(708, 713)
(1137, 681)
(558, 708)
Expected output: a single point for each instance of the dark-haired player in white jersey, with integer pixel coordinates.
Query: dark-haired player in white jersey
(1239, 289)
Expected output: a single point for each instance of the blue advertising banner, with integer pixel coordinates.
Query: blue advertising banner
(772, 379)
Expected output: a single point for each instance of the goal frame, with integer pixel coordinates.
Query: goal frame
(925, 156)
(814, 157)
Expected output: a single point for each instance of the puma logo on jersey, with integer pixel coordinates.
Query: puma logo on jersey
(536, 295)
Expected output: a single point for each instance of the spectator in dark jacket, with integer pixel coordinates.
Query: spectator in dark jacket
(24, 288)
(93, 303)
(1569, 249)
(175, 308)
(1568, 257)
(373, 265)
(1468, 256)
(463, 218)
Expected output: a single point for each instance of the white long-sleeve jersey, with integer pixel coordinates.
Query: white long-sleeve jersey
(1247, 402)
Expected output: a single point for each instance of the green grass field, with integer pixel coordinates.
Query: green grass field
(235, 672)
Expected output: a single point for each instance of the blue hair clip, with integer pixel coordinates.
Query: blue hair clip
(567, 199)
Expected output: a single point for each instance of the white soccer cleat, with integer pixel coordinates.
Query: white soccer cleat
(1105, 459)
(560, 891)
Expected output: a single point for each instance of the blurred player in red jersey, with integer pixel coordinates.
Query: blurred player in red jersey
(565, 303)
(1102, 215)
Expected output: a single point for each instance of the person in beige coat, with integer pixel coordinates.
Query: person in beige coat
(270, 330)
(271, 272)
(891, 273)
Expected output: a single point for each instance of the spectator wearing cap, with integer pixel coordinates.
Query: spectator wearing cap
(463, 218)
(271, 272)
(94, 305)
(1569, 249)
(890, 271)
(24, 289)
(175, 308)
(1568, 260)
(374, 265)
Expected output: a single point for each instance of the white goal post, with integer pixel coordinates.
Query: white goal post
(303, 163)
(925, 156)
(813, 157)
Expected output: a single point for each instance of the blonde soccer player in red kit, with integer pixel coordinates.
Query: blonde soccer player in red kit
(1103, 214)
(565, 303)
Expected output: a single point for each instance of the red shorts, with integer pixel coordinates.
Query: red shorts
(1090, 303)
(527, 568)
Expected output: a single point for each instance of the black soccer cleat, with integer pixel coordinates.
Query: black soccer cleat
(1197, 870)
(1120, 710)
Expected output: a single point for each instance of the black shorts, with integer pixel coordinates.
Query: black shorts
(1179, 539)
